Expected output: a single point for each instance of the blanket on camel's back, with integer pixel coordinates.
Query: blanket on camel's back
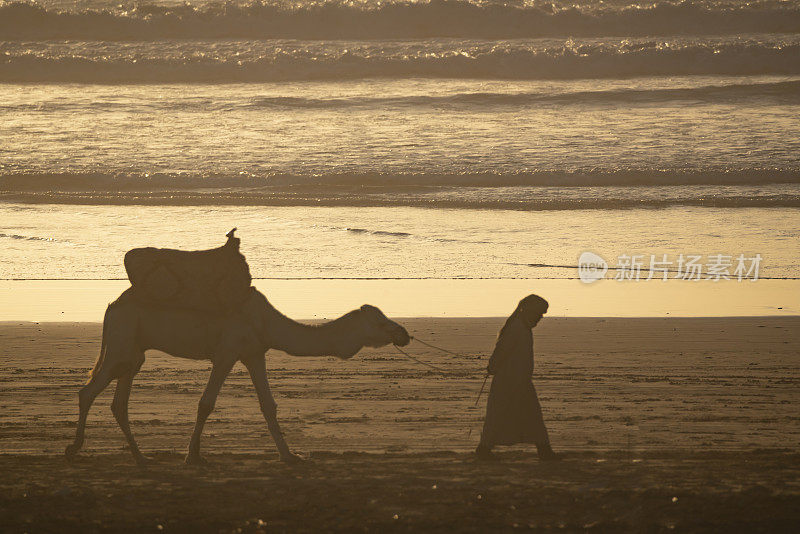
(216, 280)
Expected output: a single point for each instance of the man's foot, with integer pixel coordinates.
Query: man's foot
(195, 459)
(548, 455)
(485, 454)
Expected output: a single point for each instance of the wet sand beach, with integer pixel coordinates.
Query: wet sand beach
(356, 492)
(701, 409)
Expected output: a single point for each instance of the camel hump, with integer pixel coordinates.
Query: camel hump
(216, 280)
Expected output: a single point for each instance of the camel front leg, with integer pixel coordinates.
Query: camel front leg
(258, 373)
(219, 372)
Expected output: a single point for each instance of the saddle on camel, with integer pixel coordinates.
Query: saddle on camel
(216, 280)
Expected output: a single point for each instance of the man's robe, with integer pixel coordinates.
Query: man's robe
(513, 413)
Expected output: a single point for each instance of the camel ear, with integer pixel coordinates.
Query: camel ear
(369, 308)
(371, 311)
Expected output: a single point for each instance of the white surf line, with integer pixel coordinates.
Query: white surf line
(69, 279)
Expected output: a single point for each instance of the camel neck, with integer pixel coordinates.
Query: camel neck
(334, 338)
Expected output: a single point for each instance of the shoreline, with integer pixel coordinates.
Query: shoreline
(86, 301)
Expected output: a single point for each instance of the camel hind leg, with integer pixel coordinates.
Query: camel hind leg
(86, 396)
(117, 355)
(119, 407)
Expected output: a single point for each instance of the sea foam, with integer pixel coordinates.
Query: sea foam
(399, 19)
(266, 61)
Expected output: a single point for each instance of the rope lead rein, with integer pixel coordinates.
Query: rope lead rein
(437, 348)
(482, 387)
(410, 357)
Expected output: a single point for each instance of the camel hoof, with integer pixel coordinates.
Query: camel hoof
(71, 451)
(195, 459)
(487, 457)
(292, 459)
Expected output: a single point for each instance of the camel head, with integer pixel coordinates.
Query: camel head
(366, 326)
(379, 330)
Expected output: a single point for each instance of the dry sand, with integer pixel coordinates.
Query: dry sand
(646, 410)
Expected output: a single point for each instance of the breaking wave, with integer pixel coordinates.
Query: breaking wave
(764, 92)
(767, 93)
(267, 62)
(399, 19)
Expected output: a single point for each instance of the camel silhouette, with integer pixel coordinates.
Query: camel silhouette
(131, 327)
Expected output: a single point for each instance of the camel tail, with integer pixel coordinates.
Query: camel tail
(102, 355)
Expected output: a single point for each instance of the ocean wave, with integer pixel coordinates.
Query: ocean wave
(522, 191)
(247, 183)
(378, 232)
(403, 235)
(787, 91)
(644, 177)
(274, 62)
(26, 237)
(399, 19)
(767, 93)
(183, 198)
